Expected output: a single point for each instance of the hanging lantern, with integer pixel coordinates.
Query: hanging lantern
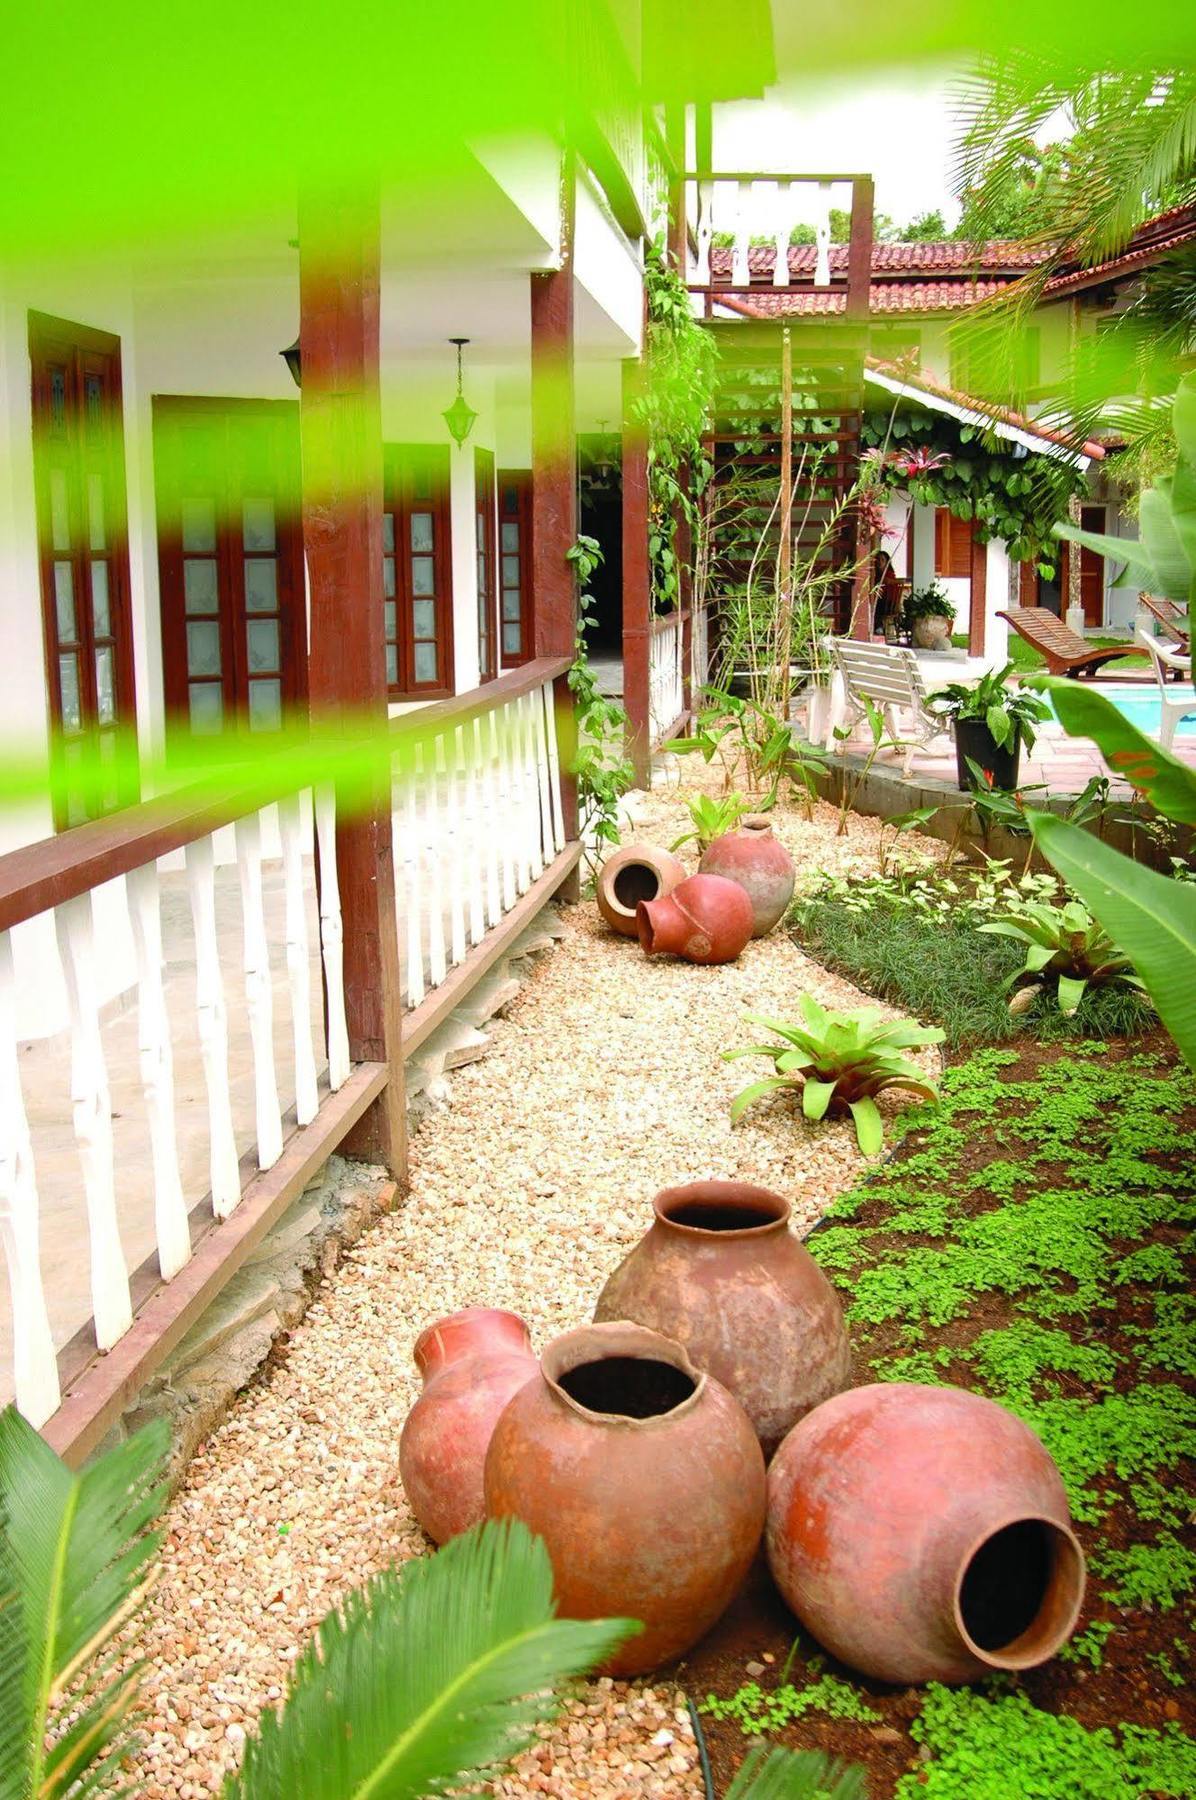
(459, 417)
(291, 358)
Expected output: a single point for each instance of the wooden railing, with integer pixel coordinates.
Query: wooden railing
(790, 205)
(479, 845)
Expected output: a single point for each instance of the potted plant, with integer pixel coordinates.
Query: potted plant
(991, 721)
(930, 616)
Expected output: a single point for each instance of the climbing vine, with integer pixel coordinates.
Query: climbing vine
(674, 409)
(1011, 493)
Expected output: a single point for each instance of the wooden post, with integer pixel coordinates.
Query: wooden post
(978, 570)
(859, 251)
(637, 576)
(554, 486)
(677, 240)
(341, 432)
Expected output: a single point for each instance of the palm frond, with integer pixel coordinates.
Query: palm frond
(73, 1571)
(796, 1775)
(425, 1678)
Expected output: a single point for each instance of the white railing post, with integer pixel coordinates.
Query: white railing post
(212, 1018)
(332, 948)
(157, 1070)
(741, 268)
(290, 831)
(35, 1368)
(259, 993)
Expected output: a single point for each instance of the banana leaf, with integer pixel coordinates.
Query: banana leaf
(1168, 784)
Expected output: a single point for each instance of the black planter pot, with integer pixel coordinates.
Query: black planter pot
(1000, 763)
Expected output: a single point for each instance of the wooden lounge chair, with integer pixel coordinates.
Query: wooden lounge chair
(1064, 652)
(1172, 618)
(891, 680)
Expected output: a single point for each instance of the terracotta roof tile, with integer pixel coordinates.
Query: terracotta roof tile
(883, 297)
(892, 259)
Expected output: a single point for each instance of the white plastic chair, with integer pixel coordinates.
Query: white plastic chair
(1174, 701)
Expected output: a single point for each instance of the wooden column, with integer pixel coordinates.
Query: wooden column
(554, 485)
(978, 570)
(637, 576)
(341, 432)
(674, 136)
(859, 250)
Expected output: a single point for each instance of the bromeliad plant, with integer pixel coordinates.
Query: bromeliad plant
(712, 817)
(840, 1061)
(1064, 942)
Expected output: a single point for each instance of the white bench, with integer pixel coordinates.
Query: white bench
(889, 678)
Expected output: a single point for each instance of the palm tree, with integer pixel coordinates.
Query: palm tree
(425, 1679)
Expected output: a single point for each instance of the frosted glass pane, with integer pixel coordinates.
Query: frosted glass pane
(105, 697)
(425, 662)
(199, 524)
(64, 602)
(199, 586)
(390, 619)
(512, 640)
(60, 511)
(261, 643)
(388, 576)
(510, 571)
(206, 701)
(96, 528)
(481, 532)
(257, 524)
(510, 534)
(203, 647)
(68, 679)
(101, 615)
(510, 603)
(261, 585)
(392, 666)
(388, 531)
(265, 705)
(423, 618)
(423, 575)
(421, 531)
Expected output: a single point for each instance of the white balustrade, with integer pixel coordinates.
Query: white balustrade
(332, 948)
(666, 690)
(156, 1060)
(290, 828)
(35, 1369)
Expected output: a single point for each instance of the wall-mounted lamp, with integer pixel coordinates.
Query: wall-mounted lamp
(290, 357)
(459, 417)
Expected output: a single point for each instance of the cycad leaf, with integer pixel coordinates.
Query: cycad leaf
(425, 1678)
(869, 1130)
(796, 1775)
(76, 1550)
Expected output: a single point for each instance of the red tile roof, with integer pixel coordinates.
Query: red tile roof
(883, 297)
(926, 384)
(892, 259)
(1158, 237)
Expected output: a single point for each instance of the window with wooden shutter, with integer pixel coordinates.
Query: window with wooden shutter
(952, 545)
(515, 608)
(79, 486)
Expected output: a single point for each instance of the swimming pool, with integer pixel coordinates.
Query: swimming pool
(1140, 705)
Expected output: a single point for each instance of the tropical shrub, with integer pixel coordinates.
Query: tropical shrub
(712, 817)
(840, 1062)
(928, 602)
(1009, 712)
(1064, 942)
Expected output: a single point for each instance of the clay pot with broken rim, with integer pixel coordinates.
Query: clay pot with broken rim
(471, 1363)
(643, 1477)
(760, 863)
(722, 1273)
(923, 1534)
(706, 919)
(634, 873)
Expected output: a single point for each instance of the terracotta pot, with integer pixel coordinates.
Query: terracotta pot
(922, 1534)
(637, 872)
(931, 632)
(706, 919)
(643, 1477)
(721, 1272)
(471, 1364)
(762, 866)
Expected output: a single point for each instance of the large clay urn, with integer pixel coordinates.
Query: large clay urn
(722, 1273)
(760, 863)
(644, 1479)
(706, 919)
(471, 1364)
(634, 873)
(922, 1534)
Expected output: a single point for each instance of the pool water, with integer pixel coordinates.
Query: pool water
(1140, 705)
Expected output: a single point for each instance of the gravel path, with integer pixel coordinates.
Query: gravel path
(604, 1084)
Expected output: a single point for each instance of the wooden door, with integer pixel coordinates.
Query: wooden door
(1092, 568)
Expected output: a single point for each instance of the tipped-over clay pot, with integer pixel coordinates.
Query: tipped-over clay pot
(922, 1534)
(471, 1364)
(634, 873)
(722, 1273)
(706, 919)
(762, 866)
(644, 1479)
